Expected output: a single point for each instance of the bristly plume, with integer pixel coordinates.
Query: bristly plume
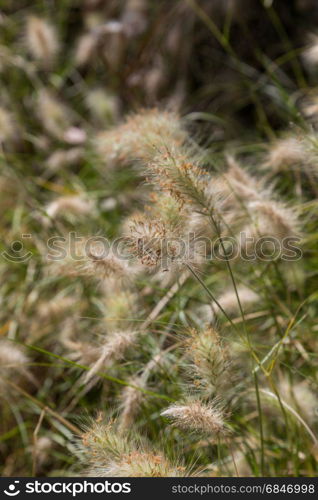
(310, 54)
(140, 138)
(120, 304)
(199, 417)
(41, 40)
(229, 302)
(159, 247)
(174, 170)
(91, 258)
(103, 105)
(86, 48)
(243, 185)
(56, 308)
(210, 361)
(108, 266)
(52, 113)
(164, 207)
(287, 153)
(132, 396)
(131, 400)
(146, 241)
(273, 218)
(74, 205)
(62, 158)
(13, 364)
(113, 349)
(109, 453)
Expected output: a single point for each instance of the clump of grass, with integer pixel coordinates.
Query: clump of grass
(109, 453)
(126, 285)
(196, 416)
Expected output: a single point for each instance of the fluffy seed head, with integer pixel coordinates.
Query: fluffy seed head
(158, 246)
(53, 115)
(198, 417)
(56, 308)
(131, 400)
(91, 258)
(11, 356)
(61, 158)
(210, 360)
(243, 185)
(273, 218)
(143, 464)
(41, 449)
(86, 48)
(103, 105)
(175, 172)
(120, 305)
(83, 352)
(113, 349)
(13, 363)
(228, 299)
(108, 266)
(110, 453)
(310, 106)
(146, 241)
(164, 207)
(310, 54)
(285, 153)
(140, 137)
(41, 40)
(76, 205)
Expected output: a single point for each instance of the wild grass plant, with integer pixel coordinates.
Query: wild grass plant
(158, 239)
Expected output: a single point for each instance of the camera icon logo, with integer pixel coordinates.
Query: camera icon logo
(16, 252)
(12, 489)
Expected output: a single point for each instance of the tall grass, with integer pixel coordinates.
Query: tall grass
(142, 331)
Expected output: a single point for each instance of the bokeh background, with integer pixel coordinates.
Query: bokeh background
(242, 74)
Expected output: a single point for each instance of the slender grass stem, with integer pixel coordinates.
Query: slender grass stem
(208, 291)
(260, 418)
